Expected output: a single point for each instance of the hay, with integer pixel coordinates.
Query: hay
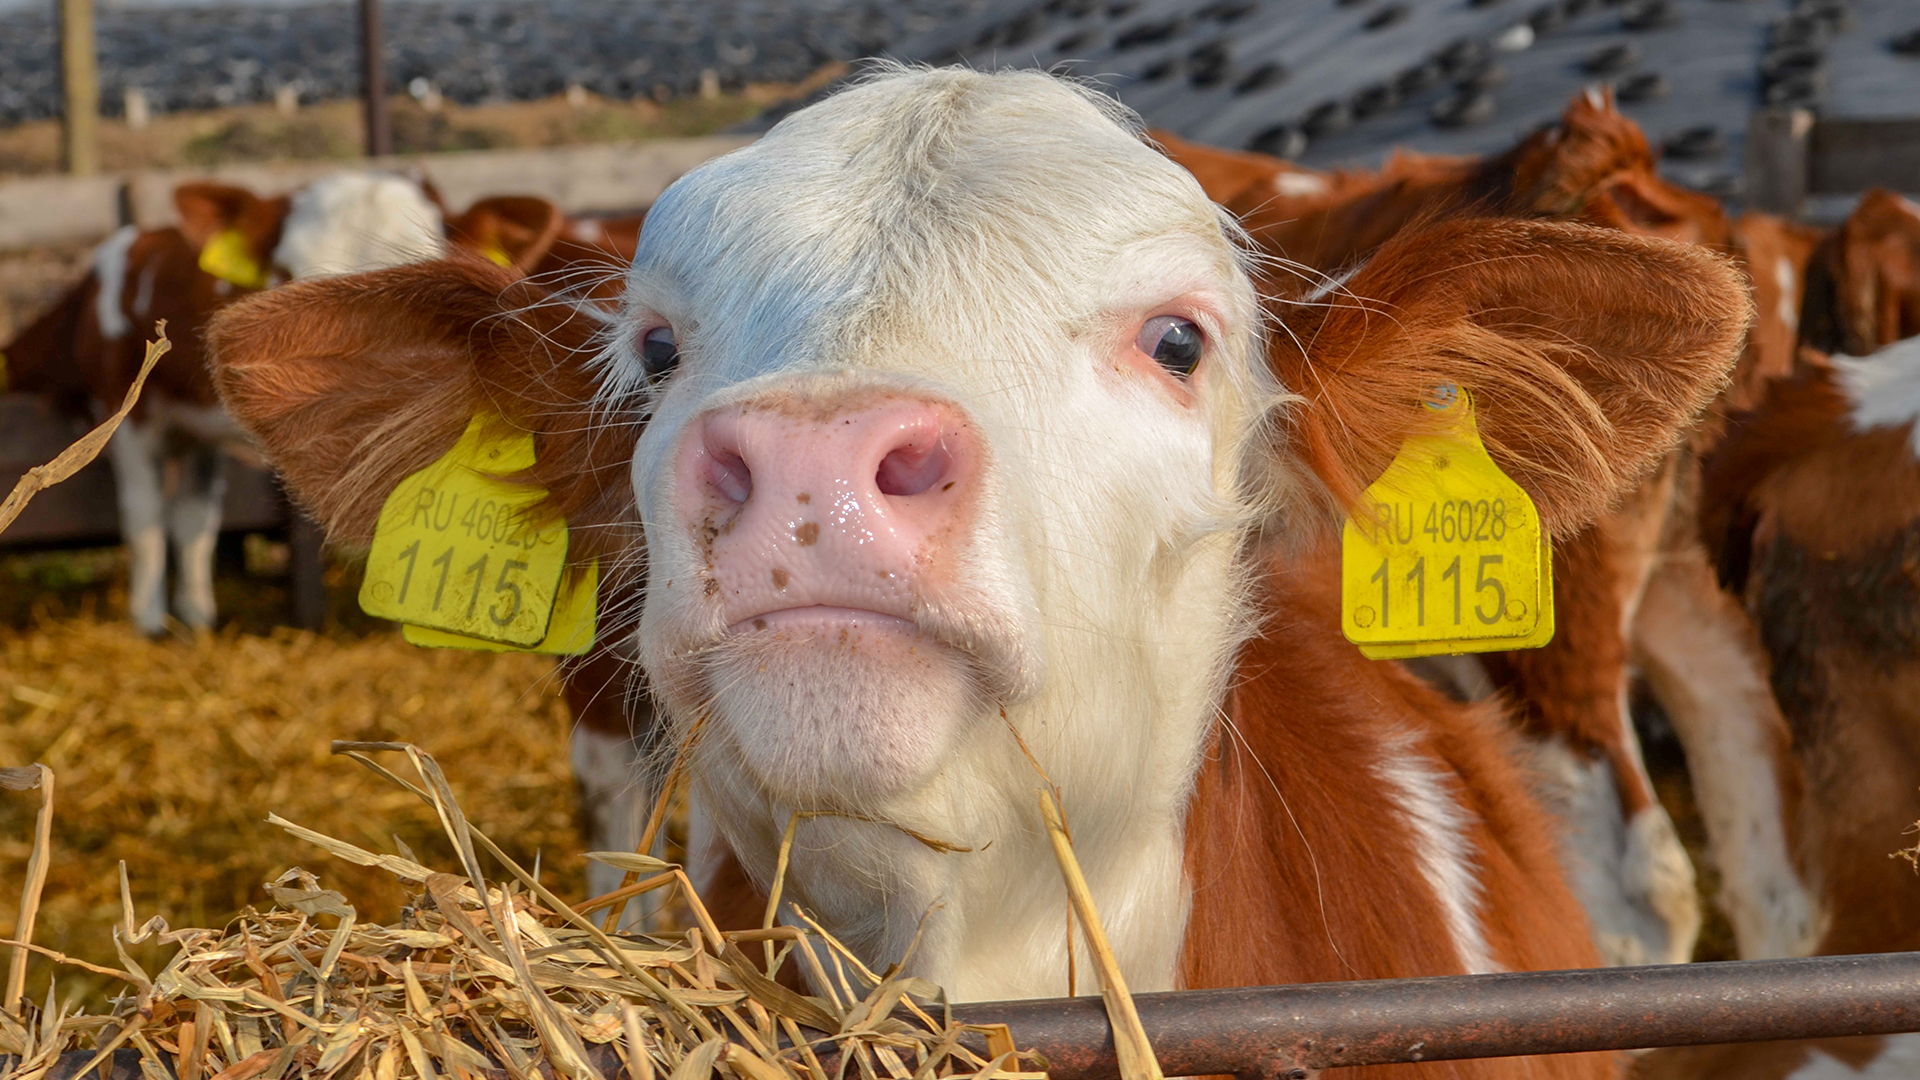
(493, 974)
(171, 754)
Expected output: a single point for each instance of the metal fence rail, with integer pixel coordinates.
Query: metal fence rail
(1266, 1033)
(1291, 1032)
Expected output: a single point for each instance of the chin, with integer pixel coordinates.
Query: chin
(842, 713)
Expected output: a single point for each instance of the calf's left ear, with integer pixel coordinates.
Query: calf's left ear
(352, 383)
(1588, 353)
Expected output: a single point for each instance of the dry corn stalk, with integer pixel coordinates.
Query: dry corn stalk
(80, 454)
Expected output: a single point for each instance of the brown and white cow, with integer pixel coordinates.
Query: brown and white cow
(86, 349)
(961, 425)
(1814, 504)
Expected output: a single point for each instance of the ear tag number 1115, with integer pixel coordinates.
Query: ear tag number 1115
(1445, 553)
(463, 561)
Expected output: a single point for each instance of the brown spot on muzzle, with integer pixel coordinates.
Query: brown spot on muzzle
(779, 578)
(806, 533)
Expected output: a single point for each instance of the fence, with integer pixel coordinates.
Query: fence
(1794, 157)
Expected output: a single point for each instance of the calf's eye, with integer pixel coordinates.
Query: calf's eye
(659, 351)
(1175, 343)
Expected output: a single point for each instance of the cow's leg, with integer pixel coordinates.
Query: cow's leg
(135, 453)
(1622, 854)
(193, 520)
(612, 725)
(1699, 653)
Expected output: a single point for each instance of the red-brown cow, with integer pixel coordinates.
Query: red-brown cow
(959, 420)
(1814, 503)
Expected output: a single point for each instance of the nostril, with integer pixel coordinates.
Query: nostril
(912, 470)
(728, 474)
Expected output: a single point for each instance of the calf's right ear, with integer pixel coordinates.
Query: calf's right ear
(352, 383)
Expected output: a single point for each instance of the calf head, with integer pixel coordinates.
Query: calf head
(342, 223)
(958, 419)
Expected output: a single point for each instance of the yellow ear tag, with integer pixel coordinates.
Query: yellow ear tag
(228, 258)
(497, 255)
(457, 556)
(1446, 553)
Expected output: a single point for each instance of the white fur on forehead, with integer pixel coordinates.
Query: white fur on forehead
(352, 222)
(911, 186)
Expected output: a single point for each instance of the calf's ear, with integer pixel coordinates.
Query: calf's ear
(515, 231)
(352, 383)
(1588, 353)
(234, 230)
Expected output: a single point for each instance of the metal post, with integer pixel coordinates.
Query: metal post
(373, 87)
(306, 571)
(79, 89)
(1777, 166)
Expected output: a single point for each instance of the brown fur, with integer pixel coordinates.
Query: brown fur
(1299, 877)
(1863, 291)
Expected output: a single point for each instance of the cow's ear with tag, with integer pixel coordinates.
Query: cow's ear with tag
(234, 230)
(1588, 353)
(354, 383)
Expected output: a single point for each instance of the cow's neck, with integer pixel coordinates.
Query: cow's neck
(1118, 728)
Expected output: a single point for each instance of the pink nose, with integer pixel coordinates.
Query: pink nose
(835, 507)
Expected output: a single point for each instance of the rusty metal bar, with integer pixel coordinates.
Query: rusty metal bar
(1290, 1032)
(1282, 1031)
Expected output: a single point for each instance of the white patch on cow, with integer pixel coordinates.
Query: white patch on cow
(1300, 184)
(143, 291)
(1596, 97)
(1422, 792)
(135, 450)
(1633, 877)
(110, 271)
(1898, 1059)
(891, 227)
(1786, 280)
(351, 222)
(1884, 387)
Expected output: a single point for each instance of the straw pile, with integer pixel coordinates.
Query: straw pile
(171, 754)
(494, 974)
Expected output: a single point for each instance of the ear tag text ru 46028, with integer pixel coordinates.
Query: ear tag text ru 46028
(228, 258)
(1445, 553)
(459, 557)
